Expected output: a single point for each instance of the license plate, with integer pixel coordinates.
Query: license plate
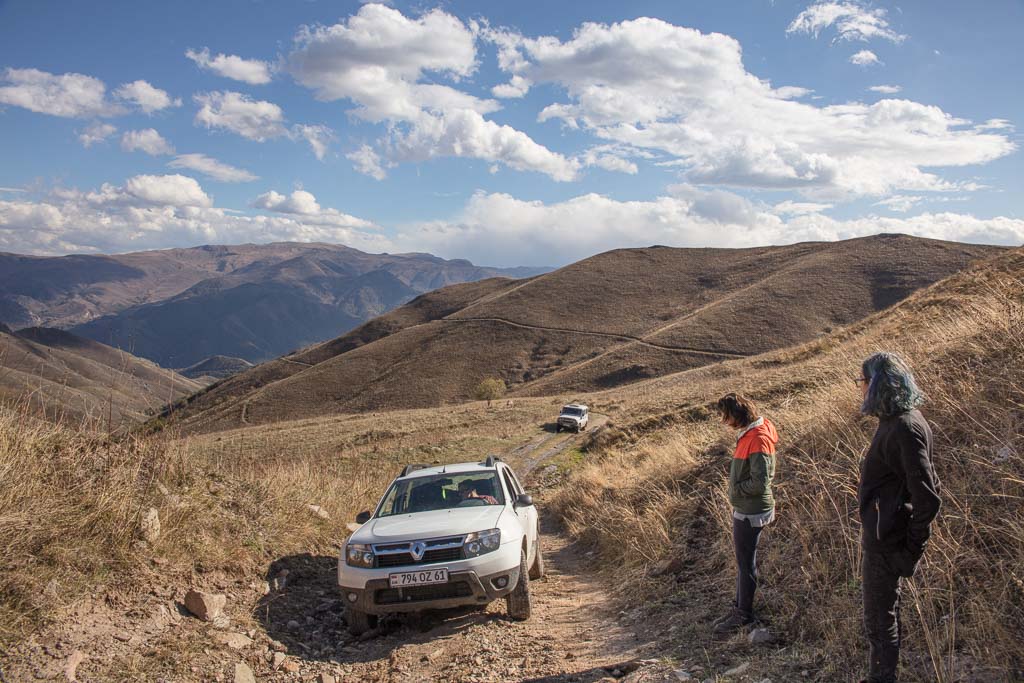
(423, 578)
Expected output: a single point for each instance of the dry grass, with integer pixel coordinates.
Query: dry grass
(229, 503)
(661, 490)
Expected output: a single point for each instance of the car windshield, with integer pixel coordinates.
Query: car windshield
(574, 412)
(441, 491)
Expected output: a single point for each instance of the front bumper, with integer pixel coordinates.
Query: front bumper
(464, 587)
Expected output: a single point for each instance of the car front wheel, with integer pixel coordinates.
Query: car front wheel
(360, 622)
(518, 601)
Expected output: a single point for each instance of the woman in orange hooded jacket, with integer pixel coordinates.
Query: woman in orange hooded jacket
(750, 493)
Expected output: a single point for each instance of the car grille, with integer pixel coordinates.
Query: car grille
(403, 559)
(442, 591)
(438, 550)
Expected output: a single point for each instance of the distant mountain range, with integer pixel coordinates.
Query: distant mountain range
(179, 307)
(59, 375)
(610, 320)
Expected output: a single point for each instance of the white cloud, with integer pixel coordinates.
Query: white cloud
(96, 133)
(153, 212)
(257, 120)
(647, 84)
(864, 58)
(304, 204)
(252, 71)
(147, 98)
(146, 140)
(212, 168)
(500, 229)
(69, 95)
(900, 203)
(791, 208)
(886, 89)
(852, 21)
(319, 138)
(610, 158)
(390, 66)
(368, 162)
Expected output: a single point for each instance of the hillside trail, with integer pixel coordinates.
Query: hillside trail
(574, 634)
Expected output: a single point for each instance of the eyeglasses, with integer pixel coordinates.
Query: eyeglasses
(860, 380)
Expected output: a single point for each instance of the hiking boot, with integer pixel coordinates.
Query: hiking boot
(733, 621)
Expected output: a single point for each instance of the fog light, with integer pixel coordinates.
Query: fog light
(352, 597)
(501, 582)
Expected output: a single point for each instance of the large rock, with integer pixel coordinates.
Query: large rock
(206, 606)
(236, 641)
(243, 674)
(149, 526)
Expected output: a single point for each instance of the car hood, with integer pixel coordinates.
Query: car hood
(431, 524)
(575, 418)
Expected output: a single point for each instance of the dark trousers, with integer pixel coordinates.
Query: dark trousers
(881, 585)
(744, 538)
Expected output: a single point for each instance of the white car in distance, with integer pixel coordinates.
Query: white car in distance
(444, 536)
(574, 417)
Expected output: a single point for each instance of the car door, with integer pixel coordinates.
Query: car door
(522, 513)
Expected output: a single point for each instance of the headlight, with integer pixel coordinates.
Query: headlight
(480, 542)
(359, 555)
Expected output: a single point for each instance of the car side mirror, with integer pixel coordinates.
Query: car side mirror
(363, 517)
(524, 500)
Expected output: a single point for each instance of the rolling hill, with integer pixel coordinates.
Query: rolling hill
(180, 306)
(65, 376)
(607, 321)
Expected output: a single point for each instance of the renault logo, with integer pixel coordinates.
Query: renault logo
(417, 550)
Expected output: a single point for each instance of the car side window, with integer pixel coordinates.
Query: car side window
(513, 490)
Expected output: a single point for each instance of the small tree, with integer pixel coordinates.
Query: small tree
(490, 389)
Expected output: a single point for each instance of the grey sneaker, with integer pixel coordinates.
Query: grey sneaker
(733, 621)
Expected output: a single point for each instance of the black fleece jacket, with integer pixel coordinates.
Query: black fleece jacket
(898, 492)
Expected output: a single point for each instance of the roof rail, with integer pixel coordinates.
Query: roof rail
(491, 459)
(409, 469)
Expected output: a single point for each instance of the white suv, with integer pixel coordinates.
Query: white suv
(574, 416)
(444, 536)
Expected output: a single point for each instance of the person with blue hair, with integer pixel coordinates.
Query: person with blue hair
(898, 497)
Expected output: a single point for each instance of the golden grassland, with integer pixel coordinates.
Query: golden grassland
(658, 489)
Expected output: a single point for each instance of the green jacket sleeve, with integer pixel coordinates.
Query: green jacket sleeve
(759, 479)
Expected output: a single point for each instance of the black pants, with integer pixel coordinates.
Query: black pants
(744, 538)
(881, 585)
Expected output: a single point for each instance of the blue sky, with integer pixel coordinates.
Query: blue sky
(508, 133)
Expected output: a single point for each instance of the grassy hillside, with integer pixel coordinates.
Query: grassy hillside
(657, 489)
(607, 321)
(63, 376)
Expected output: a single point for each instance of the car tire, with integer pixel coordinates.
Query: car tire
(360, 622)
(537, 570)
(518, 601)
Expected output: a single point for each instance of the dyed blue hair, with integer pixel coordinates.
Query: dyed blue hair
(891, 387)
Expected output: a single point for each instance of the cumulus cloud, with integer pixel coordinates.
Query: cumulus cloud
(680, 93)
(500, 229)
(900, 203)
(886, 89)
(304, 204)
(389, 66)
(146, 97)
(147, 140)
(864, 58)
(212, 168)
(152, 212)
(319, 138)
(96, 133)
(257, 120)
(368, 162)
(852, 21)
(69, 95)
(251, 71)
